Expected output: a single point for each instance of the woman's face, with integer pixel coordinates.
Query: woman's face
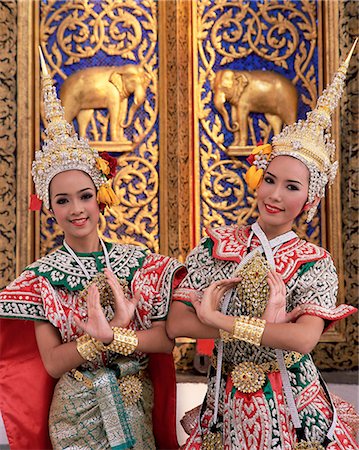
(282, 194)
(74, 203)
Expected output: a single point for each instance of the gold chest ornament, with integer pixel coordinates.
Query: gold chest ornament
(253, 289)
(105, 291)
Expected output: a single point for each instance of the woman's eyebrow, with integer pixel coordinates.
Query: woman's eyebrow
(288, 181)
(271, 174)
(78, 192)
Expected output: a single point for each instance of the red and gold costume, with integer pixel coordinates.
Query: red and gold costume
(108, 410)
(252, 413)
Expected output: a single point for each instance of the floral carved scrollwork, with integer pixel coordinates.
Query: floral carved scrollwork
(225, 195)
(8, 47)
(134, 221)
(79, 35)
(237, 35)
(84, 28)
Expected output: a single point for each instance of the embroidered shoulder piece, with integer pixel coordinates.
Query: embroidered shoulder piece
(330, 315)
(294, 254)
(315, 288)
(22, 299)
(156, 280)
(230, 243)
(60, 269)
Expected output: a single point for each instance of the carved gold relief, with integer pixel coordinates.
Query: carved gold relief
(255, 91)
(115, 107)
(224, 192)
(105, 87)
(8, 45)
(236, 34)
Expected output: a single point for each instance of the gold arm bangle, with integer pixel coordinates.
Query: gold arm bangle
(249, 329)
(124, 342)
(226, 336)
(86, 347)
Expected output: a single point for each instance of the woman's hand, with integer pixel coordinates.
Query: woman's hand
(275, 311)
(207, 308)
(96, 324)
(124, 308)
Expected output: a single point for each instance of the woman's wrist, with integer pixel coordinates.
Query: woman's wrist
(216, 320)
(118, 323)
(108, 339)
(124, 342)
(245, 328)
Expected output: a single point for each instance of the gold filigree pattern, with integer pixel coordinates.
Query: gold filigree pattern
(253, 288)
(225, 32)
(84, 28)
(344, 355)
(81, 32)
(8, 46)
(224, 194)
(136, 184)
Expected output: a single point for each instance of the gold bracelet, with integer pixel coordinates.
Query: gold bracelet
(124, 342)
(226, 336)
(249, 329)
(86, 347)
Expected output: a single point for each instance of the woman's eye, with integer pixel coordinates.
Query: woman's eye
(87, 196)
(61, 201)
(268, 179)
(292, 187)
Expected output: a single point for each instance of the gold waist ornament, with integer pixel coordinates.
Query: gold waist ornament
(249, 377)
(302, 445)
(212, 441)
(130, 385)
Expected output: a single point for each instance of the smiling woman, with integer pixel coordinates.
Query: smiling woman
(282, 195)
(76, 209)
(99, 311)
(266, 296)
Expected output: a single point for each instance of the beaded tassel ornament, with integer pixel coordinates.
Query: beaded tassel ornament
(63, 150)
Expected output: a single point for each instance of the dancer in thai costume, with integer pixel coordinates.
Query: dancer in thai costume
(266, 296)
(99, 311)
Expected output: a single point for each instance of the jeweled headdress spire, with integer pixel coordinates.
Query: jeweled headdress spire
(63, 150)
(309, 140)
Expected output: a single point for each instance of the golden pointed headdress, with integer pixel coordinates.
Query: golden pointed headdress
(308, 140)
(63, 150)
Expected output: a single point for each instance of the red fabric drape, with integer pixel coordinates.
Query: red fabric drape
(25, 387)
(163, 376)
(26, 391)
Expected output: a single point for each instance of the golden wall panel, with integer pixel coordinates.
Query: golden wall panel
(177, 152)
(8, 92)
(123, 34)
(281, 38)
(344, 355)
(175, 126)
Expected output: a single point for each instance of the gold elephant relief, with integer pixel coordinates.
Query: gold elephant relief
(105, 87)
(257, 91)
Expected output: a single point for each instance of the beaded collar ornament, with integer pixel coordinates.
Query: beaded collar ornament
(307, 140)
(63, 151)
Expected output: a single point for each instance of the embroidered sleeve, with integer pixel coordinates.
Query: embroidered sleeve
(22, 298)
(203, 269)
(156, 280)
(316, 290)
